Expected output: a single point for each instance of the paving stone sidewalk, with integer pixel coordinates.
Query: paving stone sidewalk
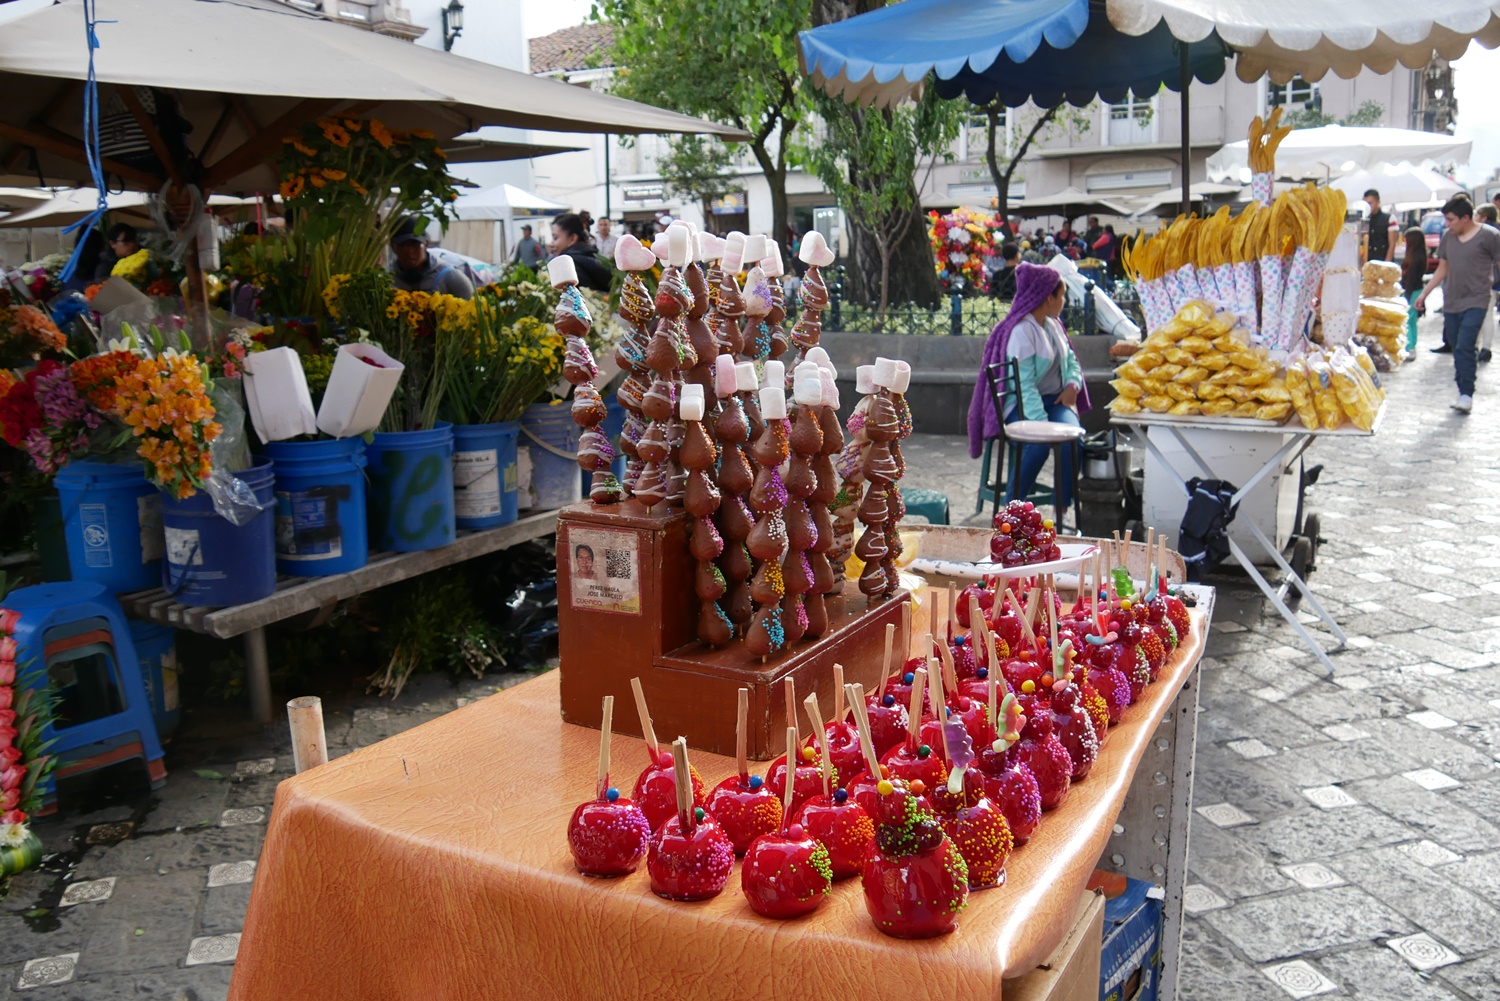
(1345, 841)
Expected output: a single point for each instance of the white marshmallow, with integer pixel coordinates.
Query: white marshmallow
(864, 380)
(775, 373)
(745, 380)
(724, 379)
(679, 244)
(885, 372)
(734, 252)
(773, 403)
(903, 377)
(757, 292)
(711, 246)
(560, 271)
(819, 357)
(808, 392)
(830, 388)
(632, 255)
(691, 408)
(755, 247)
(659, 247)
(815, 250)
(772, 261)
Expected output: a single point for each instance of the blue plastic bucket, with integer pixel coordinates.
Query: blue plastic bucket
(156, 651)
(551, 438)
(411, 489)
(320, 506)
(112, 525)
(481, 453)
(210, 560)
(510, 474)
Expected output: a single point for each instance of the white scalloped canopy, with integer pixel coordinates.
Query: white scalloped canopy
(1310, 38)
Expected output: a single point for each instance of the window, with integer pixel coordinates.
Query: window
(1297, 94)
(1130, 121)
(976, 135)
(1131, 108)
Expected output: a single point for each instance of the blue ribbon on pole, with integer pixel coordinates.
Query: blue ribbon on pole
(90, 140)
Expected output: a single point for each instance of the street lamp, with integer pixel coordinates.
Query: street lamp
(453, 24)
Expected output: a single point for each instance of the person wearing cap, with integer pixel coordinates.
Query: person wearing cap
(528, 251)
(414, 270)
(1050, 380)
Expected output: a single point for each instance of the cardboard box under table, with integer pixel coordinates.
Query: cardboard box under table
(434, 864)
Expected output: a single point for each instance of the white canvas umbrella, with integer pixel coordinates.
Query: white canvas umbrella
(1169, 200)
(63, 208)
(1070, 203)
(21, 199)
(1399, 184)
(1335, 150)
(500, 202)
(246, 73)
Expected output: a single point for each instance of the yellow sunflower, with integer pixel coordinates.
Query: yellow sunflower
(353, 124)
(335, 133)
(380, 133)
(334, 175)
(292, 187)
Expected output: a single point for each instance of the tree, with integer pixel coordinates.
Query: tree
(1044, 121)
(731, 62)
(1312, 117)
(695, 167)
(868, 162)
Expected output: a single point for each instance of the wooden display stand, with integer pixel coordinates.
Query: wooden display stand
(626, 609)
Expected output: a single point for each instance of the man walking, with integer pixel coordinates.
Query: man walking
(527, 251)
(607, 239)
(1467, 257)
(1378, 242)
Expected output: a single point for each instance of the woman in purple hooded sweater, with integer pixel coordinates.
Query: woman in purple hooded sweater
(1051, 380)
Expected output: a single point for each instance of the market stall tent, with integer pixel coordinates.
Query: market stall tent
(1400, 184)
(246, 73)
(1070, 203)
(486, 219)
(1335, 150)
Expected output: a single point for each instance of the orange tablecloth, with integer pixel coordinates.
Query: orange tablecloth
(434, 865)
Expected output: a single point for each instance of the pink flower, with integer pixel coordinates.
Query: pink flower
(7, 672)
(8, 620)
(10, 799)
(7, 735)
(7, 717)
(10, 778)
(13, 817)
(8, 648)
(7, 694)
(9, 756)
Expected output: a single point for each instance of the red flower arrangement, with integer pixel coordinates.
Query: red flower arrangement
(20, 413)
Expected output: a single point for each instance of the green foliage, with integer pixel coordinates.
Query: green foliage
(1367, 114)
(695, 167)
(728, 61)
(869, 159)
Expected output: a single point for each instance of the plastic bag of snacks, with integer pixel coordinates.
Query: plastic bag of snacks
(1193, 363)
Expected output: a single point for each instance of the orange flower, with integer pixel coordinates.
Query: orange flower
(317, 179)
(438, 150)
(380, 133)
(422, 134)
(292, 187)
(353, 124)
(334, 132)
(29, 321)
(358, 187)
(334, 175)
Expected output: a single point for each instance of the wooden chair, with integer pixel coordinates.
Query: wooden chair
(1013, 436)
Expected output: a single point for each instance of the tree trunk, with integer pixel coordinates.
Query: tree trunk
(1002, 178)
(774, 170)
(911, 275)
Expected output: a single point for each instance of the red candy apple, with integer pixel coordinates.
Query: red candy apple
(745, 808)
(843, 751)
(1040, 751)
(608, 836)
(1013, 790)
(786, 875)
(888, 721)
(689, 865)
(656, 789)
(977, 828)
(843, 827)
(1075, 730)
(807, 783)
(916, 882)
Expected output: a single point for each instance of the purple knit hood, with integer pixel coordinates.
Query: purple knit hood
(1035, 283)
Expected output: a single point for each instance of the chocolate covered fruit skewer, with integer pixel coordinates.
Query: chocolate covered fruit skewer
(701, 499)
(806, 440)
(699, 334)
(880, 473)
(823, 496)
(735, 478)
(638, 310)
(731, 300)
(755, 336)
(893, 388)
(850, 467)
(773, 268)
(572, 319)
(813, 293)
(768, 539)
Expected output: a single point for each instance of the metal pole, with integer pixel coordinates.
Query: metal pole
(1186, 80)
(608, 205)
(258, 674)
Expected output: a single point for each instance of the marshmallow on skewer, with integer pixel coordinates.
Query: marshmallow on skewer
(725, 381)
(734, 252)
(773, 403)
(815, 250)
(745, 378)
(560, 271)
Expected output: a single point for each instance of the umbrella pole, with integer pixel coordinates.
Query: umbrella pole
(1186, 80)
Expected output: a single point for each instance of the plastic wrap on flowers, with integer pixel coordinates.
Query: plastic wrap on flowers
(1262, 187)
(230, 451)
(1272, 288)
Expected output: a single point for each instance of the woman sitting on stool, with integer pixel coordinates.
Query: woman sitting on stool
(1051, 380)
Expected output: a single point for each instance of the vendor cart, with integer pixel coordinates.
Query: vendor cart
(1265, 465)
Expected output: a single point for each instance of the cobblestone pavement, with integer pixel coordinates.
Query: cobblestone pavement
(1345, 840)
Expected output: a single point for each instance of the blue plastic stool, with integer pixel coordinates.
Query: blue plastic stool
(929, 503)
(76, 626)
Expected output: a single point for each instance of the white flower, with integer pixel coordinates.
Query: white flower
(12, 835)
(959, 236)
(957, 258)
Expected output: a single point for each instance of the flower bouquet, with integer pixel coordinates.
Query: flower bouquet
(26, 710)
(961, 242)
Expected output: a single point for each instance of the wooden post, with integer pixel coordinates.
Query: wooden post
(309, 742)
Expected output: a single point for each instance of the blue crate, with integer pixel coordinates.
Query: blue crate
(1130, 959)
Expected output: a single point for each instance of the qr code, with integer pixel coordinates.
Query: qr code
(618, 565)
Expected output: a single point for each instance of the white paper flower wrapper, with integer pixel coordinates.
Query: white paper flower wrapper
(1262, 187)
(1245, 297)
(1271, 289)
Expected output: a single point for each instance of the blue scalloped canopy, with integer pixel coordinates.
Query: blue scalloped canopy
(1042, 50)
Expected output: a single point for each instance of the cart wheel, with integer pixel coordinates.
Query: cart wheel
(1313, 529)
(1301, 562)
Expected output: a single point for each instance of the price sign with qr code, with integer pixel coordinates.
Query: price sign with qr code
(605, 570)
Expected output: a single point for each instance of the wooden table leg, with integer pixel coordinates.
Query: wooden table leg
(258, 675)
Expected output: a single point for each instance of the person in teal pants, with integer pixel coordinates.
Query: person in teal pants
(1413, 277)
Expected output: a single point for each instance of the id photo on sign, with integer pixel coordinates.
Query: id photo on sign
(604, 570)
